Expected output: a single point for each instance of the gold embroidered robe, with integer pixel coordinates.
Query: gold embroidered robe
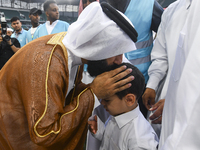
(32, 115)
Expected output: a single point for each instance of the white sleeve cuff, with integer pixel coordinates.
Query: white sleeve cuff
(153, 82)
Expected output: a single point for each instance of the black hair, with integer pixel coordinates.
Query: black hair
(97, 67)
(47, 3)
(137, 85)
(14, 19)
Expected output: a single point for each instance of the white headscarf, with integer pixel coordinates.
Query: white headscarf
(94, 36)
(9, 29)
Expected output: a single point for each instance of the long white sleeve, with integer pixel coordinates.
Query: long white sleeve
(159, 66)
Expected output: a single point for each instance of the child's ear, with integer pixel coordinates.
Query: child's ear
(130, 99)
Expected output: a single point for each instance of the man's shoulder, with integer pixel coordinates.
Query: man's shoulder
(171, 8)
(25, 31)
(41, 26)
(13, 35)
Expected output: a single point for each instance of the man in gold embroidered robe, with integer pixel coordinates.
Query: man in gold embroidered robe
(38, 107)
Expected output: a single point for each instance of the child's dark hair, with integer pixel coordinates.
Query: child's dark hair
(14, 19)
(137, 85)
(47, 3)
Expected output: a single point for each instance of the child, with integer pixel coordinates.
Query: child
(126, 129)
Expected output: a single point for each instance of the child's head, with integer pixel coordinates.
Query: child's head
(126, 100)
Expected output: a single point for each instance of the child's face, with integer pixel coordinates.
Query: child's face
(114, 105)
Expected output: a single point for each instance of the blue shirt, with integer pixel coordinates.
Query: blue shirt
(20, 36)
(29, 37)
(61, 26)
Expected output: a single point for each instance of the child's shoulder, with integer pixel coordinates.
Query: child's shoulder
(145, 135)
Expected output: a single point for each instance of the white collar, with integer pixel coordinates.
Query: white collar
(125, 118)
(53, 23)
(76, 60)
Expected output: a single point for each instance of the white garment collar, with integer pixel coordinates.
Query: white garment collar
(76, 60)
(53, 23)
(125, 118)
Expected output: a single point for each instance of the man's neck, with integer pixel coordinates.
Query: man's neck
(35, 25)
(51, 21)
(18, 31)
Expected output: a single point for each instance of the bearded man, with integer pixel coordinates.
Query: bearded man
(43, 104)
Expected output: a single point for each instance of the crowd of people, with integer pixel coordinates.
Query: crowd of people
(51, 26)
(136, 92)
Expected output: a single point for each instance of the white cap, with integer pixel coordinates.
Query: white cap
(95, 37)
(9, 29)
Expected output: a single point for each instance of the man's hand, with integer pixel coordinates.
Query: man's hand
(93, 125)
(157, 115)
(107, 84)
(9, 42)
(148, 98)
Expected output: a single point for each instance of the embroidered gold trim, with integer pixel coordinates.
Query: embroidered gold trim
(55, 40)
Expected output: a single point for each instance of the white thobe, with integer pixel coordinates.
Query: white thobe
(50, 27)
(164, 50)
(180, 123)
(128, 131)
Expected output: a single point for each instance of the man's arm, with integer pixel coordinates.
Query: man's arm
(49, 120)
(159, 67)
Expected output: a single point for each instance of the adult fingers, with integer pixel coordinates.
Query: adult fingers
(116, 71)
(121, 75)
(148, 98)
(157, 115)
(145, 99)
(119, 84)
